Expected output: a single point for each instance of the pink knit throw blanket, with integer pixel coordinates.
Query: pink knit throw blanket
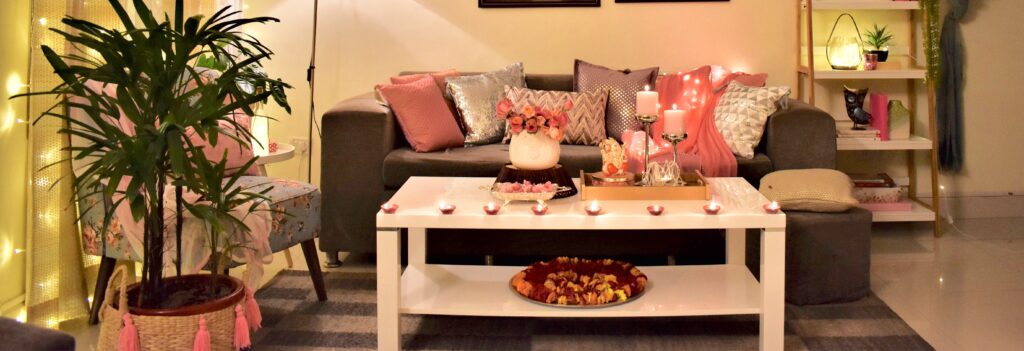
(697, 93)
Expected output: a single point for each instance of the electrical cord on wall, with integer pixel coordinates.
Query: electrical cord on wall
(311, 78)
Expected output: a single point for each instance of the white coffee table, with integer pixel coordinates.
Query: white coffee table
(727, 289)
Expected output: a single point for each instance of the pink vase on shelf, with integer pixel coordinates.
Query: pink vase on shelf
(879, 104)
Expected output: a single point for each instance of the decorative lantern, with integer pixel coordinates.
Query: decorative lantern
(845, 52)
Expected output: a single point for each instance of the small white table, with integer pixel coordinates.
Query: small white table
(727, 289)
(284, 152)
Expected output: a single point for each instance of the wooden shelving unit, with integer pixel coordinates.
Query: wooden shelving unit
(812, 66)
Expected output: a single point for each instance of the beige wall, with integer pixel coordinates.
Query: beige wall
(363, 42)
(14, 141)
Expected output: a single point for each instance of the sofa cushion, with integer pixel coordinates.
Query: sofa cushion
(754, 169)
(478, 161)
(487, 160)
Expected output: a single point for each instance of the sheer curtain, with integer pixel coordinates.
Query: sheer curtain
(60, 277)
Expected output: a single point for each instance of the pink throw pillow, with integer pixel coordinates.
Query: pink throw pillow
(425, 120)
(238, 153)
(439, 78)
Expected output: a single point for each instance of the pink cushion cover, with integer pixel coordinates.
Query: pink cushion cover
(439, 78)
(238, 153)
(424, 117)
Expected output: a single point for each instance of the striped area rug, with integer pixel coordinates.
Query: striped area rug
(294, 320)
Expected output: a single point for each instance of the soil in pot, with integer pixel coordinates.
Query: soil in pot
(187, 293)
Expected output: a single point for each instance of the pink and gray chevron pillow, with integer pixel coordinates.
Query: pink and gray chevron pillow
(586, 119)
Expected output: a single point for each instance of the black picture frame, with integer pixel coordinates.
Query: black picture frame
(537, 3)
(643, 1)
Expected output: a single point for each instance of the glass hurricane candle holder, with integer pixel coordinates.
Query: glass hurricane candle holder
(491, 208)
(389, 208)
(655, 210)
(446, 208)
(593, 209)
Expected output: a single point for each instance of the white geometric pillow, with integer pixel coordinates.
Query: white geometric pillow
(741, 115)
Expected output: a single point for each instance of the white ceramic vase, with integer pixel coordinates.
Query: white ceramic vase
(533, 152)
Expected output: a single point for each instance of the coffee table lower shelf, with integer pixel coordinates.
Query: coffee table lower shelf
(671, 291)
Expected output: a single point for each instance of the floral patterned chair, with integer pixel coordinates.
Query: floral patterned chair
(296, 221)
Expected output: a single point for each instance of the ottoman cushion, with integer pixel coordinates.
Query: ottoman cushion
(828, 256)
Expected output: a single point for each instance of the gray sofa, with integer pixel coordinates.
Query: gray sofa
(366, 159)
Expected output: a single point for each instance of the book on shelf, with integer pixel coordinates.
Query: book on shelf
(878, 180)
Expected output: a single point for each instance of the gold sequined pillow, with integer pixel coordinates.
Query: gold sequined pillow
(813, 190)
(622, 87)
(476, 98)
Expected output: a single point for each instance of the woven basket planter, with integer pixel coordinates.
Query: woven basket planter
(169, 329)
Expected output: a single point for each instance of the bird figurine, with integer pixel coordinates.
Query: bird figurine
(855, 107)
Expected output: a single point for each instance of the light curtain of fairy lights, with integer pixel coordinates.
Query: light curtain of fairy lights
(58, 286)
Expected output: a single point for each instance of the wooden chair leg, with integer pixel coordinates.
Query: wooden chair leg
(107, 266)
(313, 262)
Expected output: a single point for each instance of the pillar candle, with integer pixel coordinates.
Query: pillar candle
(647, 102)
(674, 123)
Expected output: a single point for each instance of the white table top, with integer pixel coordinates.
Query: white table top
(284, 153)
(418, 208)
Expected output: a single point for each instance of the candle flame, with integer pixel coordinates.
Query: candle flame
(674, 107)
(647, 88)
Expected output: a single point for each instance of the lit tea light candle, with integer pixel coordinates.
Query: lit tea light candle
(389, 208)
(772, 208)
(491, 208)
(712, 207)
(539, 209)
(593, 209)
(655, 210)
(446, 208)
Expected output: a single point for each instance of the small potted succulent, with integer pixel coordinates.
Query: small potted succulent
(878, 39)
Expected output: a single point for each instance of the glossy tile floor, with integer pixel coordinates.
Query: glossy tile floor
(962, 291)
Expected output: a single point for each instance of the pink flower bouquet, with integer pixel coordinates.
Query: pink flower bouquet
(535, 119)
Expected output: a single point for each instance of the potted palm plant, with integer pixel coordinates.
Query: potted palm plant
(878, 39)
(144, 74)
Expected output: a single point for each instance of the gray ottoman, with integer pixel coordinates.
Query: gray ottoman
(828, 256)
(19, 336)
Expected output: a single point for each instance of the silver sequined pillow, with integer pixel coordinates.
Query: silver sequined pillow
(742, 113)
(622, 87)
(476, 98)
(586, 119)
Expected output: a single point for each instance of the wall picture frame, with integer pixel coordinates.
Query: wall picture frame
(644, 1)
(537, 3)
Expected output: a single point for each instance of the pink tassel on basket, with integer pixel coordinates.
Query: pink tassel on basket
(241, 329)
(252, 310)
(202, 342)
(129, 339)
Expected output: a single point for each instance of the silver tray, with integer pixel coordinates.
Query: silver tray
(585, 307)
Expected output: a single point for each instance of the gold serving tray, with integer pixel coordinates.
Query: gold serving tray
(696, 188)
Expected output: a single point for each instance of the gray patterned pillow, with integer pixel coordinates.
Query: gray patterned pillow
(622, 87)
(586, 119)
(476, 98)
(742, 113)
